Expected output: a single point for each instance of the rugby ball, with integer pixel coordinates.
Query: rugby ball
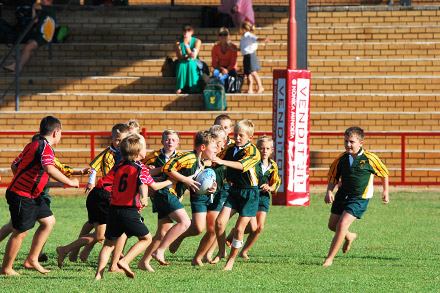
(206, 178)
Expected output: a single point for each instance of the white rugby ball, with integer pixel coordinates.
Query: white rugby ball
(206, 178)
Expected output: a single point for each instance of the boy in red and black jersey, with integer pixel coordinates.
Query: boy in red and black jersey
(129, 197)
(32, 169)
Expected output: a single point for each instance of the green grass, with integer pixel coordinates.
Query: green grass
(397, 249)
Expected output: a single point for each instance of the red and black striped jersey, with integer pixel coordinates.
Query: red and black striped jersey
(128, 176)
(30, 178)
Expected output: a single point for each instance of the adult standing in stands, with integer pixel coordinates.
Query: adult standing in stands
(40, 34)
(187, 49)
(239, 10)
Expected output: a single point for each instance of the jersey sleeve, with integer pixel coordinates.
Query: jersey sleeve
(150, 158)
(275, 180)
(47, 156)
(251, 158)
(66, 170)
(378, 166)
(145, 176)
(333, 173)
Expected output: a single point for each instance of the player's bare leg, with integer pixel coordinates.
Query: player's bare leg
(220, 226)
(11, 251)
(5, 231)
(134, 251)
(344, 223)
(250, 84)
(254, 228)
(40, 238)
(87, 227)
(197, 226)
(163, 226)
(207, 240)
(99, 237)
(117, 252)
(183, 223)
(104, 256)
(349, 238)
(237, 242)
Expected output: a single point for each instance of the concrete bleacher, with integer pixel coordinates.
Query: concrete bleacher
(372, 66)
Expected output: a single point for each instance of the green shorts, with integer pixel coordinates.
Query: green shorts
(200, 203)
(244, 200)
(164, 203)
(264, 202)
(218, 200)
(355, 206)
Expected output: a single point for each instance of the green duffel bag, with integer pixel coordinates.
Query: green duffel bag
(215, 96)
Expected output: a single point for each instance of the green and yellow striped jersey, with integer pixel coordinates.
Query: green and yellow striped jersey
(357, 177)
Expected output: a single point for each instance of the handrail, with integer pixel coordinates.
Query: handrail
(147, 134)
(17, 59)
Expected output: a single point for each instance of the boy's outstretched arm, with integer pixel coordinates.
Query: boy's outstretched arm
(58, 176)
(156, 185)
(329, 197)
(188, 180)
(385, 195)
(231, 164)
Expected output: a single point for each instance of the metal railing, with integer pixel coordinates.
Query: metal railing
(148, 134)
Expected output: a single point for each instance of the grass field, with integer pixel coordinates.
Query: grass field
(397, 249)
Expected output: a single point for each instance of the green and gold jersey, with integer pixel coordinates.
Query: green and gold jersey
(248, 156)
(186, 164)
(269, 176)
(158, 159)
(66, 170)
(357, 177)
(105, 161)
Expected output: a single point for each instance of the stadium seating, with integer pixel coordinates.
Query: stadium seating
(372, 66)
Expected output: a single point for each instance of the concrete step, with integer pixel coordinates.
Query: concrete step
(152, 67)
(236, 102)
(145, 84)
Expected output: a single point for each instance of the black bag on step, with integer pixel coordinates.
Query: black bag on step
(233, 83)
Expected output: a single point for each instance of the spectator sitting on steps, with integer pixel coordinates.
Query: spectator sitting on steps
(40, 34)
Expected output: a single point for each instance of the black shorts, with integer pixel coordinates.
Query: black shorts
(26, 211)
(250, 63)
(98, 202)
(124, 220)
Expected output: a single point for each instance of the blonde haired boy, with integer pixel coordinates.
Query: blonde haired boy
(240, 161)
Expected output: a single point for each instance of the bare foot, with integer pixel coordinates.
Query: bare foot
(206, 259)
(243, 255)
(73, 256)
(348, 242)
(327, 263)
(84, 255)
(160, 259)
(10, 69)
(179, 91)
(217, 258)
(260, 91)
(229, 265)
(145, 266)
(174, 246)
(98, 276)
(42, 257)
(250, 91)
(126, 269)
(29, 264)
(197, 262)
(113, 269)
(10, 272)
(61, 256)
